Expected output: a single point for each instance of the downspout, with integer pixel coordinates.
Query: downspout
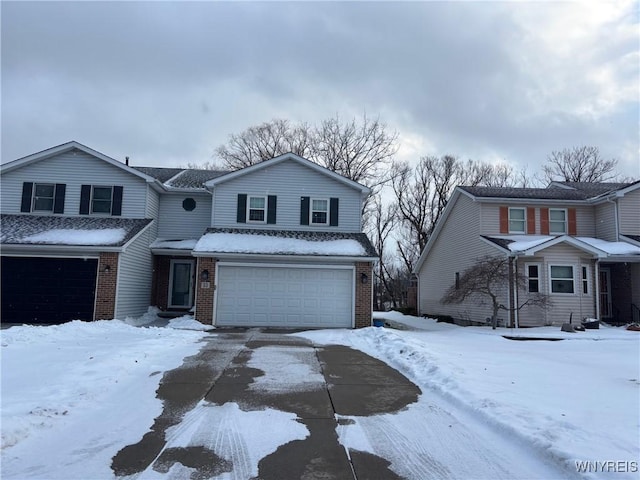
(597, 283)
(515, 288)
(617, 224)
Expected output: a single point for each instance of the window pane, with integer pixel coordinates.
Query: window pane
(562, 286)
(561, 272)
(101, 206)
(45, 204)
(534, 286)
(102, 193)
(256, 215)
(319, 217)
(533, 271)
(319, 205)
(556, 215)
(516, 213)
(256, 202)
(44, 190)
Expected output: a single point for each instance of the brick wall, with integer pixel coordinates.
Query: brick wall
(204, 292)
(364, 293)
(106, 286)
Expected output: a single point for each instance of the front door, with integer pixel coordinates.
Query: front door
(181, 284)
(605, 293)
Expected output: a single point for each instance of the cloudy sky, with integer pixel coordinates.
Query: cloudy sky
(165, 83)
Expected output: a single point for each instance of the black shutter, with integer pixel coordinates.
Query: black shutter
(116, 201)
(85, 199)
(241, 216)
(58, 200)
(271, 208)
(333, 212)
(304, 210)
(27, 192)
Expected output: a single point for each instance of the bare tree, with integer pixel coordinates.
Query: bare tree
(265, 141)
(383, 221)
(487, 279)
(579, 164)
(359, 150)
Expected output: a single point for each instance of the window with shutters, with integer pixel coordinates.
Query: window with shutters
(256, 209)
(557, 220)
(319, 212)
(101, 199)
(517, 220)
(43, 197)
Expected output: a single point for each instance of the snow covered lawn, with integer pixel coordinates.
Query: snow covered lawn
(575, 400)
(87, 388)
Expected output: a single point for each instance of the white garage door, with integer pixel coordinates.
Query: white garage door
(284, 296)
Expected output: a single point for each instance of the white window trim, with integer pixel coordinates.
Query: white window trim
(33, 197)
(566, 221)
(524, 224)
(93, 187)
(539, 277)
(311, 210)
(585, 280)
(573, 279)
(249, 197)
(173, 262)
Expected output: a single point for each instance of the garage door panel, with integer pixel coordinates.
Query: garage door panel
(284, 296)
(47, 289)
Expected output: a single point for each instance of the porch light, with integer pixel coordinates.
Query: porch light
(364, 279)
(106, 269)
(204, 276)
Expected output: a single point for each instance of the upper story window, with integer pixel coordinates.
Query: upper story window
(319, 212)
(517, 220)
(101, 200)
(43, 197)
(256, 209)
(561, 277)
(557, 220)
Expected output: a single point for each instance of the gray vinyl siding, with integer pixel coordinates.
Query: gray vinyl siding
(134, 278)
(456, 248)
(75, 168)
(153, 211)
(629, 212)
(605, 218)
(289, 181)
(490, 217)
(176, 223)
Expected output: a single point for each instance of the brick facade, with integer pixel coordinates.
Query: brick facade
(204, 290)
(106, 286)
(364, 294)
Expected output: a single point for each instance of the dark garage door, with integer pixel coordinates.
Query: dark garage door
(47, 290)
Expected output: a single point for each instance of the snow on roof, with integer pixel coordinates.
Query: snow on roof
(250, 243)
(188, 244)
(107, 236)
(612, 248)
(520, 243)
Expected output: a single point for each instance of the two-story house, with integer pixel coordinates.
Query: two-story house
(84, 236)
(579, 243)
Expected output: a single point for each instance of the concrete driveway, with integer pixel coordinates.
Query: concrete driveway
(259, 370)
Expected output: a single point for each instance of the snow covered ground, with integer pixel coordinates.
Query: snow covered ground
(74, 394)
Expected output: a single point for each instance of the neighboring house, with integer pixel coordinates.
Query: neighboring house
(280, 243)
(577, 242)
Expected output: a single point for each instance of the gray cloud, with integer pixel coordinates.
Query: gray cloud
(165, 82)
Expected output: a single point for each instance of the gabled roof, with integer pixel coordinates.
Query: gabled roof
(65, 147)
(182, 178)
(82, 231)
(285, 242)
(288, 157)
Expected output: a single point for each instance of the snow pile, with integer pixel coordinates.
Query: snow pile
(187, 322)
(266, 244)
(612, 248)
(561, 397)
(90, 384)
(62, 236)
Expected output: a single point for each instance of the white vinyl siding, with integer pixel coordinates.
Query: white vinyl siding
(176, 223)
(134, 278)
(490, 218)
(629, 213)
(288, 181)
(74, 168)
(605, 221)
(456, 248)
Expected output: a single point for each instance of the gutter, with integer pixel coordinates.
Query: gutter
(318, 258)
(29, 248)
(615, 209)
